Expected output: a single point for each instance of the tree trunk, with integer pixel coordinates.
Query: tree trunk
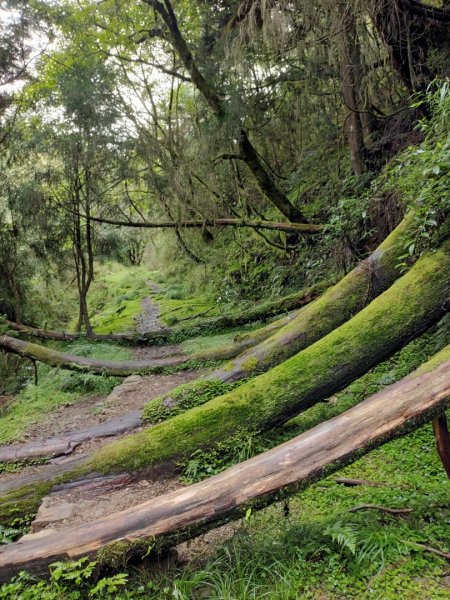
(255, 483)
(62, 336)
(262, 176)
(350, 75)
(339, 303)
(404, 311)
(418, 38)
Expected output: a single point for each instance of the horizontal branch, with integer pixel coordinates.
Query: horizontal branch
(62, 336)
(307, 228)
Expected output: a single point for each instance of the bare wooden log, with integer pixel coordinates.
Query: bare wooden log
(441, 434)
(67, 442)
(182, 514)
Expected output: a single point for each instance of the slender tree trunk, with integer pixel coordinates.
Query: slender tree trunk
(350, 75)
(263, 178)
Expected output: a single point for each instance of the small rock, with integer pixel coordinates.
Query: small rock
(51, 514)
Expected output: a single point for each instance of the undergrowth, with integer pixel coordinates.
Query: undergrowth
(58, 387)
(116, 296)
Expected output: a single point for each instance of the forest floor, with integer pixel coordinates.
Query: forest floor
(312, 547)
(92, 499)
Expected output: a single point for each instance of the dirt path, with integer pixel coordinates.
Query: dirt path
(149, 320)
(94, 418)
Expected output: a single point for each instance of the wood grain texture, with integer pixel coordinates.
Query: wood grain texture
(257, 482)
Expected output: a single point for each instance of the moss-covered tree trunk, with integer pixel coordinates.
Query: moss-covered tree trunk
(338, 304)
(182, 514)
(410, 306)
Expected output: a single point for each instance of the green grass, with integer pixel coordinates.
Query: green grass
(116, 296)
(58, 387)
(206, 342)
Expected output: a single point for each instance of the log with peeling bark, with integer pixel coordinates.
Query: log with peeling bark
(183, 514)
(66, 443)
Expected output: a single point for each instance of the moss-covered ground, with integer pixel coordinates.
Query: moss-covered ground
(116, 296)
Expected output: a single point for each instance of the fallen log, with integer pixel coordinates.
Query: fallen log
(54, 358)
(62, 336)
(67, 442)
(314, 321)
(401, 313)
(255, 483)
(337, 305)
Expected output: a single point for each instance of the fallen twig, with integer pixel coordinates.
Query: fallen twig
(385, 509)
(445, 555)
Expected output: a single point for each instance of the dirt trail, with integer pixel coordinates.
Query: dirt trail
(149, 320)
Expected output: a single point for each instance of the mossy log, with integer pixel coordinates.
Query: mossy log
(183, 514)
(115, 368)
(62, 336)
(410, 306)
(336, 306)
(259, 312)
(65, 360)
(301, 228)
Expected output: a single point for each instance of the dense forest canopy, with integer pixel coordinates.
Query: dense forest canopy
(269, 177)
(252, 111)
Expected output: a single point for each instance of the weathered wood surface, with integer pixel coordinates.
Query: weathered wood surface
(182, 514)
(49, 472)
(67, 442)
